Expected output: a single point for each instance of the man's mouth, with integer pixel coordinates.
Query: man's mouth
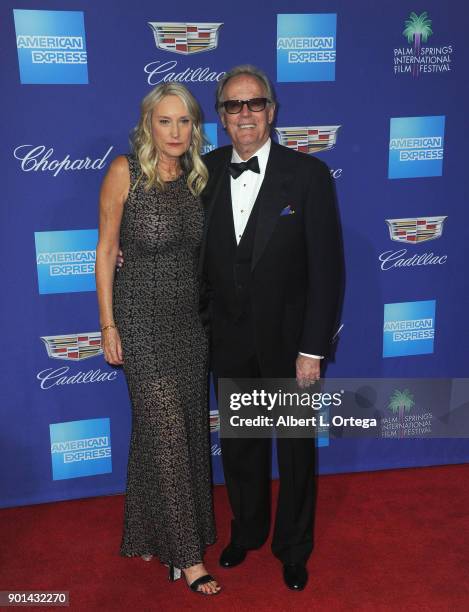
(246, 126)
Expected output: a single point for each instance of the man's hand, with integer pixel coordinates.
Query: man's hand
(119, 259)
(308, 370)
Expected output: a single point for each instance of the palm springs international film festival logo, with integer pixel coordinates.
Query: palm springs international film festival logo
(418, 58)
(404, 418)
(413, 231)
(310, 139)
(416, 147)
(306, 47)
(409, 328)
(51, 47)
(183, 39)
(66, 260)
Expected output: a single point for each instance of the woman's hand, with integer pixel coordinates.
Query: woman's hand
(112, 346)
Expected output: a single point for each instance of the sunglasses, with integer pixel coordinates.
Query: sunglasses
(233, 107)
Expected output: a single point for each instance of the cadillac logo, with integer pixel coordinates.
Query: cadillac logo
(308, 139)
(74, 347)
(185, 38)
(214, 421)
(419, 229)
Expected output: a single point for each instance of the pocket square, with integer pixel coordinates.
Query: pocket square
(288, 210)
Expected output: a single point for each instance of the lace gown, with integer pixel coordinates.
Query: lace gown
(168, 506)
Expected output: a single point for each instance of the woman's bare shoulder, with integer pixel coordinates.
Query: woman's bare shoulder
(120, 166)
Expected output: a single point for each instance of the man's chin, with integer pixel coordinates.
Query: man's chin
(247, 140)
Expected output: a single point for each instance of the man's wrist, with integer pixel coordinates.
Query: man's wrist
(309, 355)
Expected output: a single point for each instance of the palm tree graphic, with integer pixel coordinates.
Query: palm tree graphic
(401, 402)
(417, 30)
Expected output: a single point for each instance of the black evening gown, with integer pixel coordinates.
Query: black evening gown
(168, 506)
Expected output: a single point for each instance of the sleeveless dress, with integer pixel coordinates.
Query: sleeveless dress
(168, 505)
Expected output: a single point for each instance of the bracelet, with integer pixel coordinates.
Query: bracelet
(110, 326)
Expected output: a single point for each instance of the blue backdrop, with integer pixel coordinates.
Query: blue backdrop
(378, 90)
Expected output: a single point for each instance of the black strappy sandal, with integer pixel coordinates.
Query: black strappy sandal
(175, 573)
(194, 586)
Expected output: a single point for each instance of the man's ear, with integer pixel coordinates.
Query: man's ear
(271, 114)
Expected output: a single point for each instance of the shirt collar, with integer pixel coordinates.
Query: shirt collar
(262, 156)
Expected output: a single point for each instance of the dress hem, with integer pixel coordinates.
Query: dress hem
(166, 561)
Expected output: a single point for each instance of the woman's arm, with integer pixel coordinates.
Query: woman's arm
(114, 192)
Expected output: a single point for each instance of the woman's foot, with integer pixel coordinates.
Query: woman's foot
(197, 571)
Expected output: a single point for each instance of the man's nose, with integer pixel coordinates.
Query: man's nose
(245, 110)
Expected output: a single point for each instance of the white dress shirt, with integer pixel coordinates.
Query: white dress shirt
(244, 192)
(245, 188)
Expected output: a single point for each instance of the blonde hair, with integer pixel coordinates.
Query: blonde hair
(146, 152)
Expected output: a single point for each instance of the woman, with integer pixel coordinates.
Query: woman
(149, 205)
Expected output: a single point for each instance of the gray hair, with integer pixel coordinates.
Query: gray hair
(248, 70)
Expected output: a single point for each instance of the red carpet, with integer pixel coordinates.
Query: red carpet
(396, 540)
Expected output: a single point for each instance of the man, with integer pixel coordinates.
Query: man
(271, 262)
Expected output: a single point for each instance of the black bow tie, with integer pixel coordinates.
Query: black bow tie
(238, 169)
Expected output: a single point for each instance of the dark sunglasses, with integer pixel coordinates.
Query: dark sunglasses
(233, 107)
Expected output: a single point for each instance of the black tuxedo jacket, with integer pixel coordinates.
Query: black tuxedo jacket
(296, 262)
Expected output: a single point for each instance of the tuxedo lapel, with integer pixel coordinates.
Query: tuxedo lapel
(271, 200)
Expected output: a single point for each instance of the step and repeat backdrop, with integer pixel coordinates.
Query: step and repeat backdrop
(377, 90)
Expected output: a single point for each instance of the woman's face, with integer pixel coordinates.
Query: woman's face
(171, 127)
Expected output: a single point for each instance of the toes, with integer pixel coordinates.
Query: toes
(211, 588)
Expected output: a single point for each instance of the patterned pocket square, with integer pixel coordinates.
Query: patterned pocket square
(288, 210)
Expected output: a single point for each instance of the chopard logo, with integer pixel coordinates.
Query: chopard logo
(34, 158)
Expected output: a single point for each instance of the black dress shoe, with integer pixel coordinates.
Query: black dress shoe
(295, 576)
(232, 555)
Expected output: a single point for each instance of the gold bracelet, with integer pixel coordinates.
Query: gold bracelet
(110, 326)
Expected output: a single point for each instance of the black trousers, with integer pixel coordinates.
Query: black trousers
(247, 469)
